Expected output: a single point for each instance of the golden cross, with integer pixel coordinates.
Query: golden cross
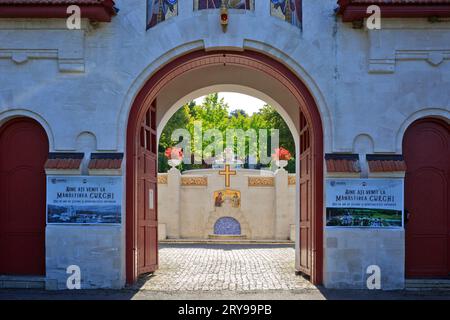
(227, 173)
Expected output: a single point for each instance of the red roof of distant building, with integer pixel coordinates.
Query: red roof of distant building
(96, 10)
(352, 10)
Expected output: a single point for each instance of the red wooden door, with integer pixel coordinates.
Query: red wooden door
(147, 219)
(426, 148)
(305, 240)
(23, 152)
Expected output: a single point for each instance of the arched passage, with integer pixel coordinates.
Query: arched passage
(141, 216)
(23, 152)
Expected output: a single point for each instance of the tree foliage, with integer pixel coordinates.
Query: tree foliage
(214, 114)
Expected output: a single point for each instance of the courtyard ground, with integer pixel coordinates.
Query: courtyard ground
(226, 267)
(229, 272)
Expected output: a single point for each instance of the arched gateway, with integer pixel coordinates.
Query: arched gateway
(141, 158)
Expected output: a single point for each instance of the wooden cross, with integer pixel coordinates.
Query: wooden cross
(227, 173)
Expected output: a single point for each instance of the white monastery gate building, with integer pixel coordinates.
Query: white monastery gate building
(81, 110)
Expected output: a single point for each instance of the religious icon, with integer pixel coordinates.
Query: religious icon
(288, 10)
(160, 10)
(236, 200)
(227, 198)
(217, 4)
(218, 200)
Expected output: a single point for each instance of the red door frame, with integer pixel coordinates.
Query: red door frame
(247, 59)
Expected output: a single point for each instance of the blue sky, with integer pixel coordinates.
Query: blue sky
(239, 101)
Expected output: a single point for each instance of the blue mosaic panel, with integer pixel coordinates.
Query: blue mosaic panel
(287, 10)
(231, 4)
(160, 10)
(227, 226)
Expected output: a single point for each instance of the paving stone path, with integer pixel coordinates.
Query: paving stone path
(225, 268)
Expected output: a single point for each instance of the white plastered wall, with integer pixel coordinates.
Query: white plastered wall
(355, 94)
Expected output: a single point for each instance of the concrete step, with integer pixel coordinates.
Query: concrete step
(22, 282)
(427, 284)
(224, 241)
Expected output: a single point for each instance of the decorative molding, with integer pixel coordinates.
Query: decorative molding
(430, 45)
(163, 179)
(261, 181)
(292, 180)
(65, 46)
(194, 181)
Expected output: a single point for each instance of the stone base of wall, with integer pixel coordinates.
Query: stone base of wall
(95, 249)
(349, 252)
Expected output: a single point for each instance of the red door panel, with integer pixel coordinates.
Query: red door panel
(305, 239)
(23, 152)
(427, 152)
(147, 195)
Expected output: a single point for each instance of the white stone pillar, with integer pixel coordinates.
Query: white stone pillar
(173, 203)
(282, 223)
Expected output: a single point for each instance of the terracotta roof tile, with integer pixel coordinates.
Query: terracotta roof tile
(354, 10)
(105, 161)
(386, 163)
(415, 2)
(348, 163)
(95, 10)
(57, 2)
(64, 161)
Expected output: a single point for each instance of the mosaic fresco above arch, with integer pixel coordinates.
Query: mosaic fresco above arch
(287, 10)
(231, 4)
(160, 10)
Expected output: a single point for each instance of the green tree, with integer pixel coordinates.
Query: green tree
(272, 119)
(214, 114)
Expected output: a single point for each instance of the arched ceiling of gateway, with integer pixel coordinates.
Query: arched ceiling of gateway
(236, 77)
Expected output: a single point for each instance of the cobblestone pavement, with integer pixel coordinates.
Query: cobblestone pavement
(223, 272)
(225, 267)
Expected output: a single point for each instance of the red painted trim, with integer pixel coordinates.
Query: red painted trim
(96, 12)
(352, 12)
(247, 59)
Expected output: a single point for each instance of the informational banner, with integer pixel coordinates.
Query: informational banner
(372, 203)
(84, 200)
